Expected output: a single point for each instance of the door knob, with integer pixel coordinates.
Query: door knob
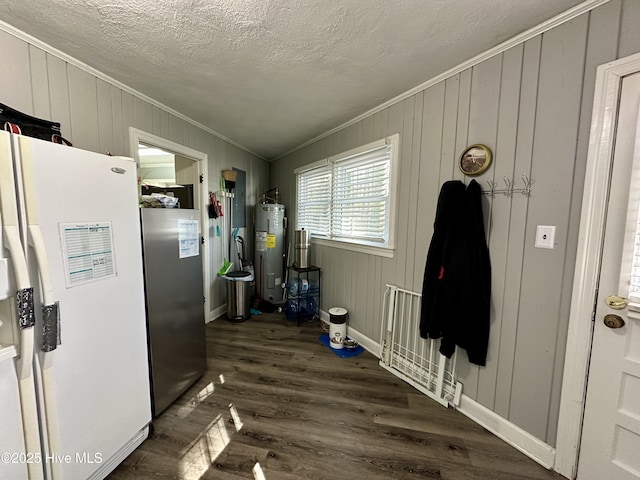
(613, 321)
(616, 302)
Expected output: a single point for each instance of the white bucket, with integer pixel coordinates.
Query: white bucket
(337, 327)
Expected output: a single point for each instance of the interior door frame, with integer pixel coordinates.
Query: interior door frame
(588, 260)
(136, 137)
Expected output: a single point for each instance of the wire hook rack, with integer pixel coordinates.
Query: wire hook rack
(509, 189)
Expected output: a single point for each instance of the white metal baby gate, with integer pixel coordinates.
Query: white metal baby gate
(411, 358)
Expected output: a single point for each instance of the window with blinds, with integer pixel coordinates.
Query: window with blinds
(348, 198)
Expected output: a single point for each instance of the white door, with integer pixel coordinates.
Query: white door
(610, 447)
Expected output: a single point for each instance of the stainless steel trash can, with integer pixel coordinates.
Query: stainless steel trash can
(239, 289)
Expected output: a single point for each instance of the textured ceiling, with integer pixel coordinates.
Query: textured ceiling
(272, 74)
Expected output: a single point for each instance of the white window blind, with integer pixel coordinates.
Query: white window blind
(348, 197)
(314, 201)
(360, 196)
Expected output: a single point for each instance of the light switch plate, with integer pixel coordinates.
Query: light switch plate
(545, 235)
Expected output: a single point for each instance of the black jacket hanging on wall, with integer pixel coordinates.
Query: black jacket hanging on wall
(456, 290)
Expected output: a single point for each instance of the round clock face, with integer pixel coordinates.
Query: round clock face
(475, 160)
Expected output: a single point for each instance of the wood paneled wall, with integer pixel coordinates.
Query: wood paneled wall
(532, 106)
(96, 115)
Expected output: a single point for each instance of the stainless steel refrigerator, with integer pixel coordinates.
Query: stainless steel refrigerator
(174, 301)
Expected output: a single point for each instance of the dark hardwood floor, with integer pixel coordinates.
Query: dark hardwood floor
(273, 395)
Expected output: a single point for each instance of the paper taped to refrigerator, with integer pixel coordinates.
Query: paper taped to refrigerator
(88, 252)
(188, 238)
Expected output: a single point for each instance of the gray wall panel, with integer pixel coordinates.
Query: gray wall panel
(480, 126)
(365, 130)
(39, 83)
(467, 372)
(380, 124)
(157, 122)
(59, 94)
(629, 31)
(413, 187)
(105, 117)
(404, 125)
(176, 129)
(401, 117)
(16, 76)
(83, 101)
(429, 176)
(128, 119)
(450, 119)
(499, 212)
(165, 131)
(120, 140)
(142, 115)
(462, 124)
(363, 302)
(561, 71)
(517, 226)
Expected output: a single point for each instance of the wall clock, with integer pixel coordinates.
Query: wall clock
(475, 159)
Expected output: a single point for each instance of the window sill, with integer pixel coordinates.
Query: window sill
(355, 247)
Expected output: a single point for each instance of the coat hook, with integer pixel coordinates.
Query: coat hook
(509, 190)
(492, 188)
(509, 184)
(528, 183)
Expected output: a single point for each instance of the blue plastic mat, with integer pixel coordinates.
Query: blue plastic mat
(341, 352)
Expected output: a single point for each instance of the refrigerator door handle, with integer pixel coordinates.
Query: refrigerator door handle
(50, 307)
(50, 311)
(37, 242)
(24, 300)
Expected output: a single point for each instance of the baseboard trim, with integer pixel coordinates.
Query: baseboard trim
(217, 313)
(368, 344)
(515, 436)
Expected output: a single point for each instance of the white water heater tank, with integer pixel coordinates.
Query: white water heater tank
(269, 250)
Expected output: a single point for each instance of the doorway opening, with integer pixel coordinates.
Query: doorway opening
(176, 175)
(166, 174)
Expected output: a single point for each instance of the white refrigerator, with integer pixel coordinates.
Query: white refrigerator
(74, 375)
